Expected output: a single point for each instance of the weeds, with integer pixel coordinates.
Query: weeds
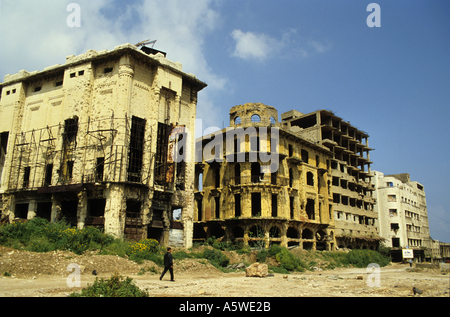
(39, 235)
(116, 286)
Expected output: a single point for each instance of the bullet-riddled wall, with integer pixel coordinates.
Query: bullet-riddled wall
(91, 141)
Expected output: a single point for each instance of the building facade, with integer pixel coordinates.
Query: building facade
(91, 141)
(402, 210)
(242, 196)
(355, 219)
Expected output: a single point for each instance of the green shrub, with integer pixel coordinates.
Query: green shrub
(362, 258)
(217, 258)
(261, 256)
(116, 286)
(289, 261)
(39, 235)
(274, 249)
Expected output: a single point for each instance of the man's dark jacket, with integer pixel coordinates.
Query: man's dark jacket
(168, 260)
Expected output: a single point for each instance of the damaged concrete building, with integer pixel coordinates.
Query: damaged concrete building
(91, 141)
(259, 183)
(355, 219)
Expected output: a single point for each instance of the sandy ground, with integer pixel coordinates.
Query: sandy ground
(45, 275)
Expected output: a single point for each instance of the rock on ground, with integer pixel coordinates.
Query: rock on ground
(257, 270)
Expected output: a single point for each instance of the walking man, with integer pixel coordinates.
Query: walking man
(168, 264)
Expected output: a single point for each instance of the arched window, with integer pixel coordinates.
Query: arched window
(307, 234)
(256, 118)
(292, 233)
(272, 120)
(237, 120)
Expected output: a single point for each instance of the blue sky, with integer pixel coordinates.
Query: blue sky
(391, 81)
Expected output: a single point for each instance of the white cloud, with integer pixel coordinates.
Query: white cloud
(35, 35)
(260, 46)
(251, 45)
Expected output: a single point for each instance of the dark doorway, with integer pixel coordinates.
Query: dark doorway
(44, 210)
(69, 211)
(21, 211)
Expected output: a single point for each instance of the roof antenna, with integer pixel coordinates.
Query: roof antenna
(143, 43)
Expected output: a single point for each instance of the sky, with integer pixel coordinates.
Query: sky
(391, 81)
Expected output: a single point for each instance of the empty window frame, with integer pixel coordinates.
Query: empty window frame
(310, 209)
(161, 153)
(305, 156)
(274, 205)
(237, 205)
(310, 179)
(26, 177)
(136, 149)
(99, 169)
(217, 207)
(70, 130)
(48, 175)
(256, 204)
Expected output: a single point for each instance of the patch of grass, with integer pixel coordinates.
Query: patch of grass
(39, 235)
(216, 258)
(116, 286)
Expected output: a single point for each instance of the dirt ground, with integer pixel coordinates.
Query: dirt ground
(45, 275)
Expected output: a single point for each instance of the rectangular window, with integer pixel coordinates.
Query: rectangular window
(274, 205)
(291, 207)
(26, 177)
(36, 89)
(162, 140)
(99, 169)
(70, 169)
(237, 205)
(108, 70)
(256, 204)
(48, 175)
(217, 207)
(136, 149)
(392, 198)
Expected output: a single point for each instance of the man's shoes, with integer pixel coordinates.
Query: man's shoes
(172, 280)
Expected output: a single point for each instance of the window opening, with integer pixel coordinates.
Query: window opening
(136, 150)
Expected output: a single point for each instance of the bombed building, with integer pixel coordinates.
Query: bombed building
(259, 183)
(356, 220)
(91, 141)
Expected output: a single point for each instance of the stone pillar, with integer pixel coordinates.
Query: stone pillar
(115, 210)
(56, 209)
(82, 209)
(32, 206)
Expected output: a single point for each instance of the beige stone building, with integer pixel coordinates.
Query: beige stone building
(402, 211)
(258, 182)
(353, 200)
(91, 141)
